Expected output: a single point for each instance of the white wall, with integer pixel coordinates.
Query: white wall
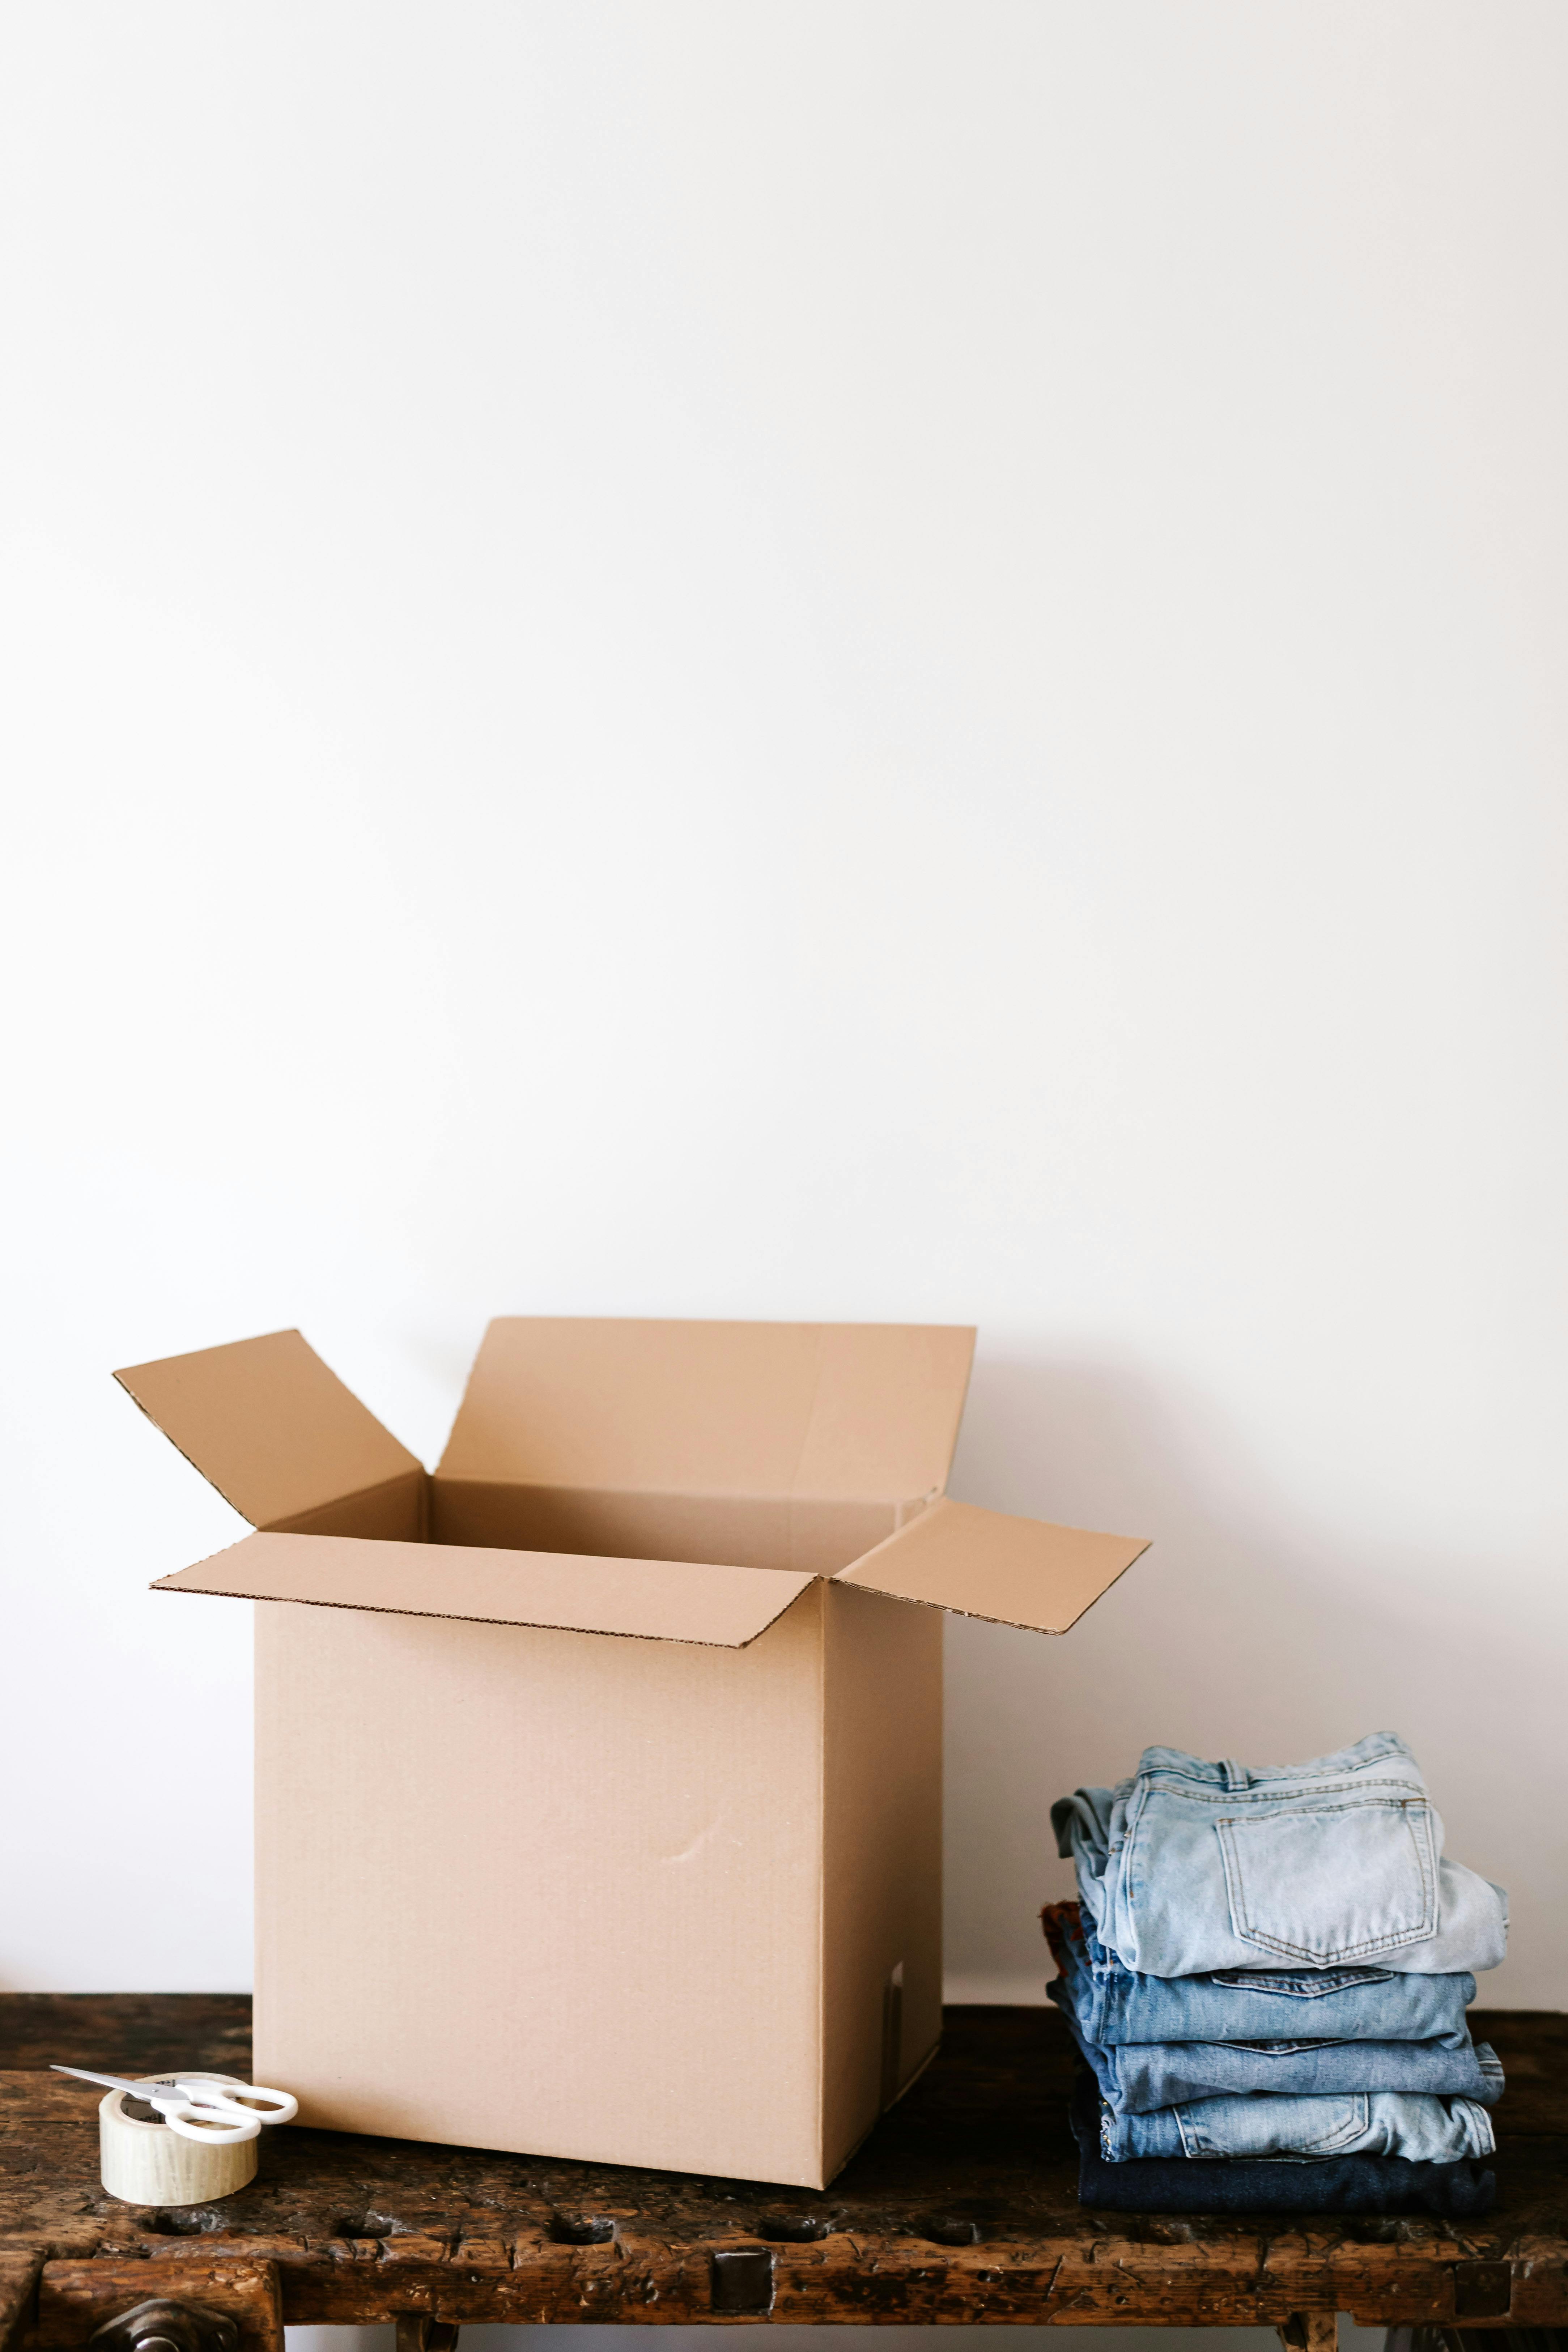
(837, 657)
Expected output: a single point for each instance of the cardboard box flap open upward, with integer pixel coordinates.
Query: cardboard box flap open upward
(985, 1564)
(656, 1600)
(826, 1412)
(695, 1867)
(746, 1427)
(281, 1438)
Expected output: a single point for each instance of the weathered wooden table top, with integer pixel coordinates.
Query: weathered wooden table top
(962, 2205)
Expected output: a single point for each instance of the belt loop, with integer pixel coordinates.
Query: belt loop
(1236, 1776)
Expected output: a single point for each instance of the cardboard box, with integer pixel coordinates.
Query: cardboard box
(598, 1781)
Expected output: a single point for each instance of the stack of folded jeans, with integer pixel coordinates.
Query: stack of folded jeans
(1267, 1973)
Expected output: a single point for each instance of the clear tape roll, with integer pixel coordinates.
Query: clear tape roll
(148, 2164)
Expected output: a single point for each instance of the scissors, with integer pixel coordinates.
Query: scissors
(218, 2113)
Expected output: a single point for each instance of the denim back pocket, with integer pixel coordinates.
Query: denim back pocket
(1238, 2125)
(1332, 1881)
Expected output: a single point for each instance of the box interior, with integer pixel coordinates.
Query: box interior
(813, 1450)
(662, 1440)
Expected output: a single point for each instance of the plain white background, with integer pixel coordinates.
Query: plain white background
(844, 658)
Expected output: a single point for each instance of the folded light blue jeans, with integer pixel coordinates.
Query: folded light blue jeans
(1423, 2129)
(1365, 2003)
(1137, 2078)
(1189, 1867)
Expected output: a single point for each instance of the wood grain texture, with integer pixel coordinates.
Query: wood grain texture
(962, 2207)
(126, 2032)
(18, 2287)
(1311, 2331)
(76, 2297)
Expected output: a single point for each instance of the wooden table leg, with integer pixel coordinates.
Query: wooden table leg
(417, 2332)
(1311, 2331)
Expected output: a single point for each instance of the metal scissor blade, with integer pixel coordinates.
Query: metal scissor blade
(112, 2082)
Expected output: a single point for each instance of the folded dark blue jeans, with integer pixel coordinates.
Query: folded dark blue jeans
(1270, 2184)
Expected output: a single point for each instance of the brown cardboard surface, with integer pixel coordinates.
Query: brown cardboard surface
(662, 1600)
(985, 1564)
(882, 1887)
(541, 1891)
(885, 1417)
(270, 1426)
(831, 1410)
(608, 1823)
(399, 1511)
(754, 1530)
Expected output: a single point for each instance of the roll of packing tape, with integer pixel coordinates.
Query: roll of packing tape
(148, 2164)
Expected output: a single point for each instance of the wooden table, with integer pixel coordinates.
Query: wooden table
(961, 2207)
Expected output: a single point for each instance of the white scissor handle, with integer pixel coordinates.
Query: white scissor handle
(251, 2101)
(214, 2127)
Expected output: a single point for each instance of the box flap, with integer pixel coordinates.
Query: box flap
(815, 1411)
(661, 1601)
(268, 1425)
(983, 1564)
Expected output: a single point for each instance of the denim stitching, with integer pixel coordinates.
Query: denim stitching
(1260, 1937)
(1294, 2049)
(1313, 1984)
(1382, 1943)
(1306, 1795)
(1237, 1893)
(1198, 2143)
(1356, 2126)
(1192, 1769)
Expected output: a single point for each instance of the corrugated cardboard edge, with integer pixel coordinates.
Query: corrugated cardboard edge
(273, 1382)
(971, 1524)
(276, 1567)
(123, 1380)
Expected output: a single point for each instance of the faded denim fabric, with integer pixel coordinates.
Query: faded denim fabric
(1422, 2130)
(1272, 2184)
(1191, 1867)
(1139, 2077)
(1351, 2004)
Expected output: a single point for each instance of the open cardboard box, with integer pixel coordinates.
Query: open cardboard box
(598, 1782)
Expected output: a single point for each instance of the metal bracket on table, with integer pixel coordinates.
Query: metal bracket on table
(218, 2303)
(743, 2280)
(161, 2326)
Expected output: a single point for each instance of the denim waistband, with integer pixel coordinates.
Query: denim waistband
(1191, 1867)
(1370, 2003)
